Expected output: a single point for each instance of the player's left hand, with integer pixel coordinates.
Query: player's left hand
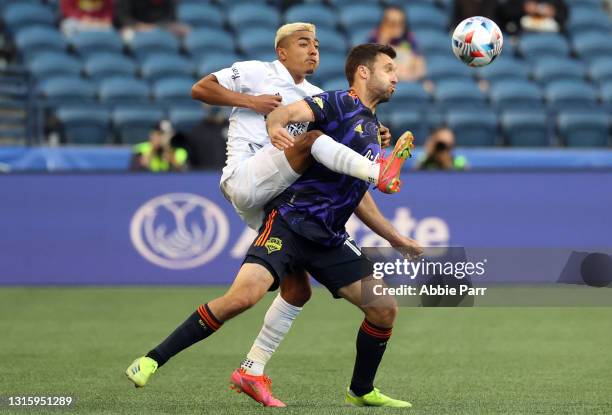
(409, 248)
(385, 136)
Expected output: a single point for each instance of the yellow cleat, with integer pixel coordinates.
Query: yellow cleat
(141, 370)
(374, 398)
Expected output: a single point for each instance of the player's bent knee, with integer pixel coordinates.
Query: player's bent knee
(295, 296)
(382, 316)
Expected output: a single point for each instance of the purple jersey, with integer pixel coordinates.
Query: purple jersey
(320, 202)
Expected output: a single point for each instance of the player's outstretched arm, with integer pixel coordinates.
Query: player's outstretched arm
(278, 119)
(210, 91)
(371, 216)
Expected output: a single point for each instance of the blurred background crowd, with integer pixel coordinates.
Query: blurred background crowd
(119, 72)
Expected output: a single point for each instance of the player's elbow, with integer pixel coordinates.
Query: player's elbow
(200, 91)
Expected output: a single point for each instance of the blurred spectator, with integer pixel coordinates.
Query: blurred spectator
(207, 141)
(533, 15)
(393, 30)
(158, 154)
(140, 15)
(438, 152)
(462, 9)
(84, 15)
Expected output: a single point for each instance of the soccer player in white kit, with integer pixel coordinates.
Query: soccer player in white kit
(256, 171)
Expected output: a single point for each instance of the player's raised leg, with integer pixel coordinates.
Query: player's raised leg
(372, 337)
(250, 285)
(250, 378)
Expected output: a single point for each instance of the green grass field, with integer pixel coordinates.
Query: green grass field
(78, 341)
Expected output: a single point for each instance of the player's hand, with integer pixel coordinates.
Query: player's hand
(409, 248)
(265, 104)
(280, 137)
(385, 136)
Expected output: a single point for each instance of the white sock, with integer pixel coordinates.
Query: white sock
(342, 159)
(277, 322)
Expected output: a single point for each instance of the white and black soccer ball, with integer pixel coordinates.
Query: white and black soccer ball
(477, 41)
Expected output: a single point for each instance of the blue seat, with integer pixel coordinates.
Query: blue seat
(244, 16)
(318, 14)
(331, 66)
(424, 16)
(200, 15)
(473, 128)
(592, 46)
(359, 36)
(101, 66)
(124, 91)
(87, 43)
(161, 66)
(567, 95)
(447, 68)
(84, 124)
(331, 41)
(525, 128)
(584, 129)
(33, 40)
(133, 125)
(587, 19)
(153, 41)
(262, 55)
(459, 94)
(359, 15)
(67, 90)
(516, 95)
(20, 15)
(409, 95)
(505, 68)
(605, 93)
(338, 4)
(184, 119)
(53, 64)
(551, 69)
(407, 119)
(536, 46)
(255, 41)
(432, 41)
(600, 70)
(173, 92)
(216, 62)
(204, 41)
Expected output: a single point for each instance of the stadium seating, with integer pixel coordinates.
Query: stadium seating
(53, 64)
(473, 128)
(162, 66)
(523, 128)
(174, 92)
(33, 40)
(568, 95)
(84, 124)
(20, 15)
(334, 84)
(408, 120)
(359, 15)
(153, 41)
(584, 129)
(505, 68)
(600, 70)
(516, 94)
(459, 94)
(432, 42)
(446, 68)
(587, 19)
(87, 43)
(199, 15)
(216, 62)
(592, 45)
(551, 69)
(320, 15)
(330, 66)
(243, 16)
(423, 16)
(133, 125)
(184, 119)
(605, 93)
(409, 95)
(101, 66)
(537, 46)
(256, 41)
(121, 91)
(67, 90)
(205, 41)
(331, 41)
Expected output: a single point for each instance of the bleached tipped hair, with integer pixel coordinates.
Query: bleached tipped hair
(290, 28)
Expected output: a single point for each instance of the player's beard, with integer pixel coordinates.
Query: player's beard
(380, 90)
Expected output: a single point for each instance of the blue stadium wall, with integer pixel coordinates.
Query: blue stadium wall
(178, 229)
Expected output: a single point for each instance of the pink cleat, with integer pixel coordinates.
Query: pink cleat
(391, 167)
(257, 387)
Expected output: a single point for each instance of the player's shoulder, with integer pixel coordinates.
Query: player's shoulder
(254, 66)
(311, 89)
(341, 98)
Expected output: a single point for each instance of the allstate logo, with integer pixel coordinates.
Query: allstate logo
(179, 230)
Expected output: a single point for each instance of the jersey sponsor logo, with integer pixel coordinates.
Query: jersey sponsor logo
(297, 128)
(273, 245)
(179, 230)
(318, 101)
(359, 129)
(235, 73)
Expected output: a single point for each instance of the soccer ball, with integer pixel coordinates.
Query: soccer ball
(477, 41)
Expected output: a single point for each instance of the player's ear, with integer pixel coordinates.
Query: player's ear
(363, 71)
(282, 54)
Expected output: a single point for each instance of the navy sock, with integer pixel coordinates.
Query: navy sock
(371, 345)
(198, 326)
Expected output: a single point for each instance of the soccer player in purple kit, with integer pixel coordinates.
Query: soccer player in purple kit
(304, 227)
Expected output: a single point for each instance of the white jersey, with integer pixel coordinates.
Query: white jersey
(247, 128)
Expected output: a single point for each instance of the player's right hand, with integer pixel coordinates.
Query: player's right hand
(265, 104)
(280, 137)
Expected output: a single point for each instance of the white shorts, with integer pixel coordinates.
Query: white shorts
(257, 180)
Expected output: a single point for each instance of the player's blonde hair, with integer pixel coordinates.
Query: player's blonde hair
(290, 28)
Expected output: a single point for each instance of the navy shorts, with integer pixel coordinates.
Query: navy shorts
(282, 252)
